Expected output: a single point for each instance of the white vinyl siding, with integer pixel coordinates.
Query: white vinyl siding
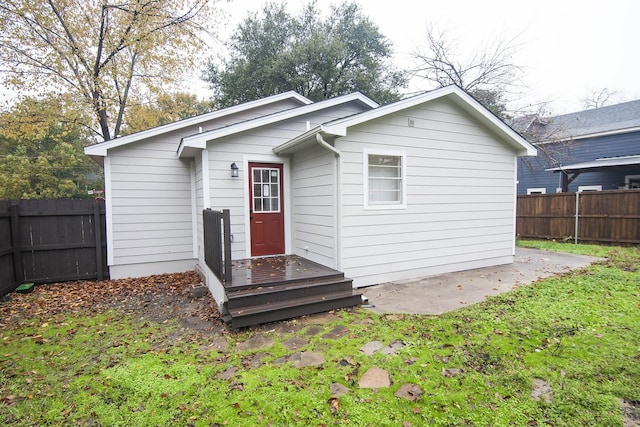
(151, 200)
(257, 145)
(460, 197)
(314, 201)
(151, 208)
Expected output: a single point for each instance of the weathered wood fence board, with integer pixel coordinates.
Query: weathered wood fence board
(44, 241)
(602, 216)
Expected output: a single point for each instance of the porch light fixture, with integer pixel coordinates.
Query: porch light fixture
(234, 170)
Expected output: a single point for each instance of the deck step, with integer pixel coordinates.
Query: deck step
(281, 310)
(282, 292)
(253, 283)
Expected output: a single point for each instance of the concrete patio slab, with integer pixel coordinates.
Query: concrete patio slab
(448, 292)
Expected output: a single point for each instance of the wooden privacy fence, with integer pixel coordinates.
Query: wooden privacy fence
(595, 217)
(217, 243)
(45, 241)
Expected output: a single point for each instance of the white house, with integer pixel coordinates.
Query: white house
(423, 186)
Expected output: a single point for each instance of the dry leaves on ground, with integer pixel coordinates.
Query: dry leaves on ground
(159, 297)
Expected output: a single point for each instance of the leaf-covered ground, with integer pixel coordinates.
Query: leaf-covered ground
(564, 351)
(159, 298)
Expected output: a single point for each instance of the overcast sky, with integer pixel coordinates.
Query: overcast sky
(568, 48)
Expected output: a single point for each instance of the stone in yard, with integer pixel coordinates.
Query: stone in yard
(338, 390)
(451, 372)
(256, 342)
(393, 347)
(227, 374)
(308, 359)
(337, 332)
(254, 360)
(375, 378)
(630, 413)
(319, 319)
(284, 328)
(371, 347)
(312, 331)
(217, 344)
(365, 321)
(199, 290)
(295, 343)
(541, 390)
(409, 391)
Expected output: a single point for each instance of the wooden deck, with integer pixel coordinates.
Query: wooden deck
(278, 269)
(276, 288)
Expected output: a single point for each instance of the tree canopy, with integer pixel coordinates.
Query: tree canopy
(319, 58)
(106, 54)
(41, 151)
(167, 108)
(489, 74)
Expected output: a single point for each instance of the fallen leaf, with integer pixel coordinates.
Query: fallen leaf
(334, 405)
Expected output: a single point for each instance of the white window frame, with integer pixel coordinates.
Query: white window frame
(365, 173)
(542, 190)
(589, 188)
(262, 196)
(628, 179)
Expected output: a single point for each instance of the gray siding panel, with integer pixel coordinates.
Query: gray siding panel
(460, 198)
(308, 176)
(314, 205)
(151, 199)
(151, 204)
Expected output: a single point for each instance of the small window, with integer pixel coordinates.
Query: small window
(536, 191)
(385, 179)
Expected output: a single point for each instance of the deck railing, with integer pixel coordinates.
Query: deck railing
(217, 243)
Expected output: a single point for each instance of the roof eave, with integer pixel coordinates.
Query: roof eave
(200, 140)
(101, 148)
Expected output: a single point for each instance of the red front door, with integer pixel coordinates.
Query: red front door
(266, 211)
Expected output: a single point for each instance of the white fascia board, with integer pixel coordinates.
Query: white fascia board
(101, 149)
(200, 140)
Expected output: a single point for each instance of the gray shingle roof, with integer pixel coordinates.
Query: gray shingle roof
(611, 118)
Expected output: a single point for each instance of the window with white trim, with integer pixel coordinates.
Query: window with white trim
(537, 190)
(385, 179)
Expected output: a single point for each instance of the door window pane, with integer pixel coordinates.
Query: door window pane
(266, 189)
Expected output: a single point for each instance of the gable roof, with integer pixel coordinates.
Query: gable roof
(609, 120)
(199, 141)
(101, 148)
(453, 93)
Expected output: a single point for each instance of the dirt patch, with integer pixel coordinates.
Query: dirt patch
(160, 298)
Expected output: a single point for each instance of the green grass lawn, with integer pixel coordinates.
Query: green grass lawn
(577, 332)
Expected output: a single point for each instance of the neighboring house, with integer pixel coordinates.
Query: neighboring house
(596, 149)
(419, 187)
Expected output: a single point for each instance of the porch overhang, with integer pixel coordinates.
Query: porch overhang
(305, 140)
(571, 172)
